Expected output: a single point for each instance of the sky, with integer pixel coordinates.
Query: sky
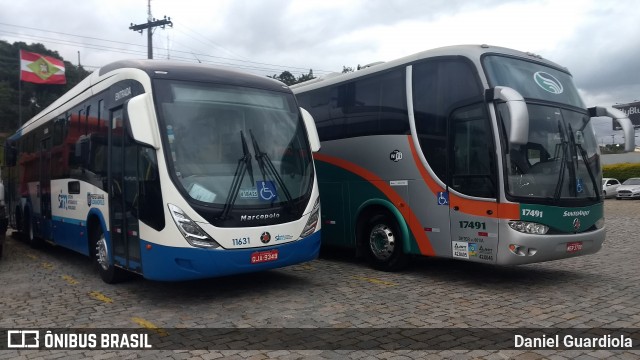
(598, 41)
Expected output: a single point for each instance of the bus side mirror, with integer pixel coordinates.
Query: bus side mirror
(622, 119)
(312, 132)
(518, 113)
(141, 121)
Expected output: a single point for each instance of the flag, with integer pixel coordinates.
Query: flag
(41, 69)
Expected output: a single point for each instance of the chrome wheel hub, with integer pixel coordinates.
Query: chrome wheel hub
(102, 253)
(382, 242)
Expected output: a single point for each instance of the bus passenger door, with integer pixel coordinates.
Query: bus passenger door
(472, 185)
(123, 186)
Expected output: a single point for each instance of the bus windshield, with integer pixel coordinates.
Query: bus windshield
(532, 80)
(560, 160)
(231, 144)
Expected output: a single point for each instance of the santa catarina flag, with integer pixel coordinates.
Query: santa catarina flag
(41, 69)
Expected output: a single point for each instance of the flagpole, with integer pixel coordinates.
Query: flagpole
(19, 89)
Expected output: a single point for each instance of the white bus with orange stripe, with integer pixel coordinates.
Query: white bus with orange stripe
(476, 153)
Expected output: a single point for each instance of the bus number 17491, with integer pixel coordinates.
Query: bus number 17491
(473, 225)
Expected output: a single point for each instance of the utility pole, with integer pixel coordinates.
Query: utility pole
(151, 23)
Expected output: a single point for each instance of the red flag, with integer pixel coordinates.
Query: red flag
(41, 69)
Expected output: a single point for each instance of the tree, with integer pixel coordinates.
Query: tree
(306, 77)
(288, 78)
(348, 69)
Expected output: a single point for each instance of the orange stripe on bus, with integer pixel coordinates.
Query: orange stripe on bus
(509, 211)
(467, 206)
(435, 188)
(412, 220)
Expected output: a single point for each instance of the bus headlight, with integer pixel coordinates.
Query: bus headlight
(190, 230)
(310, 227)
(529, 227)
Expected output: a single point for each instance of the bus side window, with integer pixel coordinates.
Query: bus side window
(151, 210)
(82, 122)
(322, 106)
(10, 154)
(393, 103)
(437, 86)
(362, 111)
(472, 157)
(58, 131)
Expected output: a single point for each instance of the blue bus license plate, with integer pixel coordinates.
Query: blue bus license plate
(264, 256)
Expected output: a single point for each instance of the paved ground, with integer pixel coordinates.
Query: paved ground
(55, 288)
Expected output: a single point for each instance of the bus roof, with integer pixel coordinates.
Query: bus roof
(158, 69)
(195, 72)
(473, 52)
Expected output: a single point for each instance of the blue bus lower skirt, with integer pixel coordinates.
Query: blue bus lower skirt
(167, 263)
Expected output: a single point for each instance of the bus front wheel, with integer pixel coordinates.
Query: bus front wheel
(108, 272)
(383, 243)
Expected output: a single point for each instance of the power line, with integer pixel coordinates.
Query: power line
(243, 65)
(271, 67)
(67, 34)
(69, 42)
(277, 67)
(178, 58)
(206, 40)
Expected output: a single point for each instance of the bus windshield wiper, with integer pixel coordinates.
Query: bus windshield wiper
(572, 164)
(266, 165)
(247, 156)
(587, 164)
(244, 165)
(558, 190)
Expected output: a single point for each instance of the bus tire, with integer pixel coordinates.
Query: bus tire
(383, 241)
(27, 232)
(102, 259)
(18, 218)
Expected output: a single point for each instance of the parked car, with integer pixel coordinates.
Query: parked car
(609, 187)
(630, 189)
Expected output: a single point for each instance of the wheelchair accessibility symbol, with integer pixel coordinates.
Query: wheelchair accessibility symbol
(443, 198)
(580, 186)
(267, 190)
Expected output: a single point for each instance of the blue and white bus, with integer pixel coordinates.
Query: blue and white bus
(170, 170)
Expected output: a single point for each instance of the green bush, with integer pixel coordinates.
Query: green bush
(621, 171)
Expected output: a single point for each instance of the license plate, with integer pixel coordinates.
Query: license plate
(264, 256)
(574, 246)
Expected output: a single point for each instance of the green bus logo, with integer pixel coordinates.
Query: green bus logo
(548, 82)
